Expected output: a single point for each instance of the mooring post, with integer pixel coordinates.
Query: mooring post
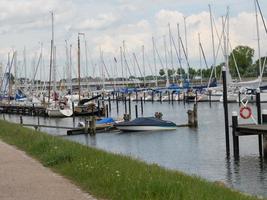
(98, 108)
(142, 107)
(196, 96)
(136, 111)
(33, 110)
(38, 120)
(172, 97)
(117, 104)
(107, 111)
(210, 97)
(160, 97)
(130, 107)
(136, 96)
(225, 106)
(125, 105)
(152, 96)
(235, 137)
(73, 111)
(259, 116)
(93, 125)
(169, 97)
(195, 115)
(86, 124)
(109, 103)
(21, 119)
(264, 121)
(179, 97)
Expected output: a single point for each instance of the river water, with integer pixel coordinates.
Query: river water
(198, 151)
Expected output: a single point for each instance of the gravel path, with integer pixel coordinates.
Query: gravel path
(24, 178)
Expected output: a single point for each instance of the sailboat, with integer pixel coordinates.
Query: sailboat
(58, 107)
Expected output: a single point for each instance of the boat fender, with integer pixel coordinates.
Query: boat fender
(245, 112)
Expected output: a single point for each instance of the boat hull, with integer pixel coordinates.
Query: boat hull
(145, 128)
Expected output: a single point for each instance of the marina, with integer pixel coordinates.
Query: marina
(198, 151)
(137, 100)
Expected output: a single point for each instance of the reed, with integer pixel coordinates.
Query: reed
(111, 176)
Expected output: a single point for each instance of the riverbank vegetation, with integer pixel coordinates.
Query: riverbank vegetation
(109, 176)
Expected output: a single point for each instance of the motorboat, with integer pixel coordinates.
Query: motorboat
(146, 124)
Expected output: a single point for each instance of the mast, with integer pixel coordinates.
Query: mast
(143, 54)
(79, 66)
(179, 50)
(170, 38)
(155, 63)
(122, 72)
(51, 58)
(200, 57)
(213, 45)
(70, 70)
(166, 61)
(258, 37)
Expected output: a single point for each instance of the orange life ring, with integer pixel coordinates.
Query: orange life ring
(245, 112)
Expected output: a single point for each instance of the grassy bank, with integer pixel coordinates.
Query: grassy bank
(110, 176)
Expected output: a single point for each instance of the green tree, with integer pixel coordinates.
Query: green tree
(161, 72)
(170, 72)
(243, 55)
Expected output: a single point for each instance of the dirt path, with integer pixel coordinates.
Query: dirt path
(23, 178)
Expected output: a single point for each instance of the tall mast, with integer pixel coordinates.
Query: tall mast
(79, 66)
(155, 63)
(51, 58)
(200, 57)
(179, 49)
(70, 70)
(170, 37)
(122, 71)
(143, 54)
(166, 61)
(258, 37)
(213, 45)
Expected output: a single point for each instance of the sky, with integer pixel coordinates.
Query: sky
(26, 24)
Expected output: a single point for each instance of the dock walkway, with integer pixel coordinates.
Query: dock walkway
(24, 178)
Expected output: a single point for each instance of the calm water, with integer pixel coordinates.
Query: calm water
(194, 151)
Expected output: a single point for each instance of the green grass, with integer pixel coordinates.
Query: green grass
(109, 176)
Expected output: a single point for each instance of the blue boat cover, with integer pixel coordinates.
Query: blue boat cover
(147, 121)
(105, 121)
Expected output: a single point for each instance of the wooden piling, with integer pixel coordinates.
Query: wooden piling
(259, 117)
(264, 121)
(125, 105)
(21, 119)
(172, 97)
(136, 111)
(195, 115)
(107, 111)
(152, 96)
(117, 104)
(160, 97)
(235, 138)
(109, 103)
(142, 107)
(130, 107)
(225, 105)
(92, 125)
(169, 97)
(86, 124)
(210, 97)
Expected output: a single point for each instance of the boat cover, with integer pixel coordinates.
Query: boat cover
(147, 121)
(105, 121)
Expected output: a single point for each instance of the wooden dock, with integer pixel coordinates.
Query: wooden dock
(251, 129)
(23, 110)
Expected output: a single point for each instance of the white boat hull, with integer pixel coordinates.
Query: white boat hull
(59, 112)
(146, 128)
